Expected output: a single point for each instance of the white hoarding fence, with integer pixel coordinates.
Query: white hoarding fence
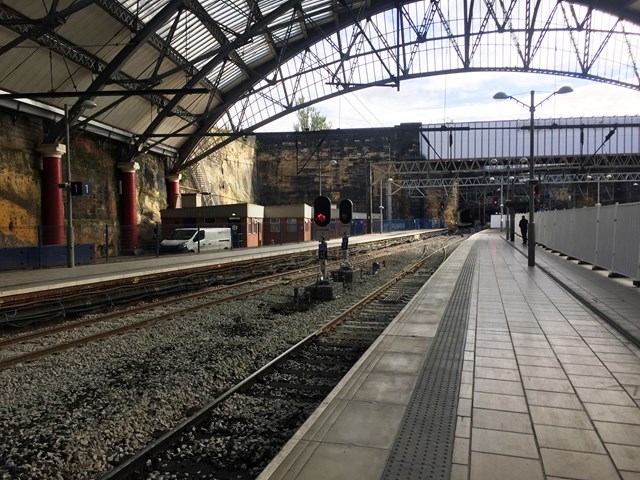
(604, 236)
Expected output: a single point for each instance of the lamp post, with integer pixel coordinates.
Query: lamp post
(532, 108)
(71, 260)
(493, 180)
(389, 194)
(494, 162)
(320, 168)
(509, 203)
(607, 177)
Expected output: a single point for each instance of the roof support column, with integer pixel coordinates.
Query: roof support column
(52, 197)
(129, 219)
(173, 191)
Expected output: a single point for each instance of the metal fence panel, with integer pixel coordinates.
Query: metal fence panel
(605, 236)
(606, 233)
(583, 237)
(627, 250)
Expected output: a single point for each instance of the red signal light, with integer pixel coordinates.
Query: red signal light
(322, 211)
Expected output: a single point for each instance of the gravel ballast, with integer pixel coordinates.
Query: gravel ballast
(76, 414)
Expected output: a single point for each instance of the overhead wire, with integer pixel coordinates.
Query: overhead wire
(366, 108)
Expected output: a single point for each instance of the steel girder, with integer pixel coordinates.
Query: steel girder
(44, 36)
(576, 163)
(551, 178)
(529, 35)
(320, 50)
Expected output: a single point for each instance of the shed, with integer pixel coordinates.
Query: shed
(287, 223)
(244, 219)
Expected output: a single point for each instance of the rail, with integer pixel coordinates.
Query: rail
(129, 466)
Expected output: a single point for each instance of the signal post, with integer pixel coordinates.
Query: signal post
(323, 288)
(345, 273)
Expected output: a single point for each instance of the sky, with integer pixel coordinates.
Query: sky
(468, 97)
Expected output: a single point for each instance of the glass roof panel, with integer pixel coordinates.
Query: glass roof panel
(144, 9)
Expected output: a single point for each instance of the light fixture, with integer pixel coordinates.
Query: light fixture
(71, 260)
(563, 90)
(86, 104)
(531, 250)
(321, 166)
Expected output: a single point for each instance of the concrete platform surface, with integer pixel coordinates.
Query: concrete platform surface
(548, 389)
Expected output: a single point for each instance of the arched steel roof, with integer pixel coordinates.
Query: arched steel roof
(168, 72)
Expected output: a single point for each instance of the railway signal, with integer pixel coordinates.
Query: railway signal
(345, 208)
(322, 211)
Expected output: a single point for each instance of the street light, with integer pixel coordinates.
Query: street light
(532, 108)
(607, 177)
(71, 260)
(321, 166)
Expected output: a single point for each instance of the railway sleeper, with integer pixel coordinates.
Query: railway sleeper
(359, 341)
(299, 387)
(317, 373)
(332, 351)
(393, 297)
(332, 362)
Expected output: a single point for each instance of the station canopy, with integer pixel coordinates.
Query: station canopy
(165, 74)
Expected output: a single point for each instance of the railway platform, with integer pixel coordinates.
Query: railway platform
(495, 370)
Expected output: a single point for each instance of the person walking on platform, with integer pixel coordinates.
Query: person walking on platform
(524, 224)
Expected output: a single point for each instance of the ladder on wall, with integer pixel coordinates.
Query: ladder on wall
(202, 185)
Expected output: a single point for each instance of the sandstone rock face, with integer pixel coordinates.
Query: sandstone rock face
(228, 176)
(19, 200)
(293, 167)
(267, 169)
(19, 180)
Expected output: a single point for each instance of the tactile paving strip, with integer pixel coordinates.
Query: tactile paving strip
(423, 446)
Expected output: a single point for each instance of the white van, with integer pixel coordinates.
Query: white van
(188, 240)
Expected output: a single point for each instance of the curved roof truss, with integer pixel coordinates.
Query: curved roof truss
(170, 72)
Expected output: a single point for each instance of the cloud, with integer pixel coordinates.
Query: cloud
(468, 97)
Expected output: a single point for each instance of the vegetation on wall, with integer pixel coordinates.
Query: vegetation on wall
(310, 119)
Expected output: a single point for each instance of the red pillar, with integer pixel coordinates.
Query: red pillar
(173, 191)
(129, 219)
(52, 194)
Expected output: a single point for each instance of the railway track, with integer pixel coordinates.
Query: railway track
(65, 302)
(28, 347)
(76, 414)
(237, 434)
